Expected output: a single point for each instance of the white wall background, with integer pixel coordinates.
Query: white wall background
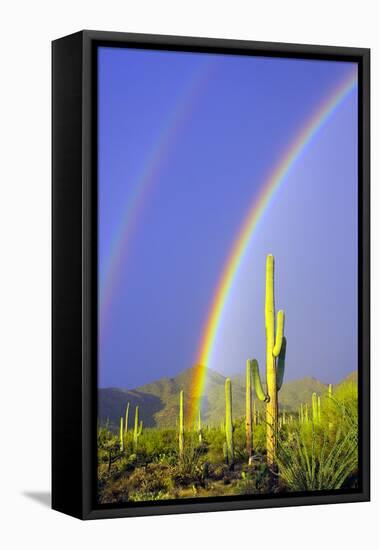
(26, 31)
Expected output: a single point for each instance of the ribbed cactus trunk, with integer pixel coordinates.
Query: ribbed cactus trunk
(248, 419)
(135, 432)
(330, 395)
(181, 425)
(229, 422)
(199, 432)
(273, 348)
(126, 419)
(314, 408)
(121, 434)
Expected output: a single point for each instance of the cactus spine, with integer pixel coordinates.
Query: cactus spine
(248, 421)
(136, 432)
(275, 364)
(229, 422)
(121, 434)
(181, 425)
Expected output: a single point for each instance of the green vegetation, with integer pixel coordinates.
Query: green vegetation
(319, 455)
(306, 442)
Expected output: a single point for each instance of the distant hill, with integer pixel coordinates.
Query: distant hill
(159, 401)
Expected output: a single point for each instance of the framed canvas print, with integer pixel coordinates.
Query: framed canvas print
(210, 274)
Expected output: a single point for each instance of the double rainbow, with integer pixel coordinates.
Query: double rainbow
(142, 187)
(245, 234)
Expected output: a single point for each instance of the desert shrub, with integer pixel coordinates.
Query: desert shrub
(155, 442)
(215, 440)
(113, 491)
(254, 480)
(143, 497)
(153, 478)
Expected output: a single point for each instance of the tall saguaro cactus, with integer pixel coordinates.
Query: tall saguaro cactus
(181, 425)
(275, 364)
(229, 422)
(248, 420)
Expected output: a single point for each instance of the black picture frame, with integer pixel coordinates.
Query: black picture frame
(74, 261)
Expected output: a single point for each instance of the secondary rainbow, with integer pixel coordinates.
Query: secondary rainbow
(241, 244)
(142, 188)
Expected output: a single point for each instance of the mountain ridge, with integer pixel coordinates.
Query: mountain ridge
(158, 401)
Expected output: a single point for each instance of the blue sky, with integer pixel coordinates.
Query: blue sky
(236, 117)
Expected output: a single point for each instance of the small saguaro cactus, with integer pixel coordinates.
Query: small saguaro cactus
(121, 434)
(181, 425)
(330, 396)
(126, 419)
(229, 422)
(248, 419)
(199, 432)
(275, 364)
(136, 431)
(319, 409)
(301, 414)
(306, 413)
(314, 408)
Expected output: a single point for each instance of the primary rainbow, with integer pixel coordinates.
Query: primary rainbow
(142, 187)
(240, 246)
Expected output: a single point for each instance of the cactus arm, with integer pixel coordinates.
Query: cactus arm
(257, 381)
(281, 364)
(279, 333)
